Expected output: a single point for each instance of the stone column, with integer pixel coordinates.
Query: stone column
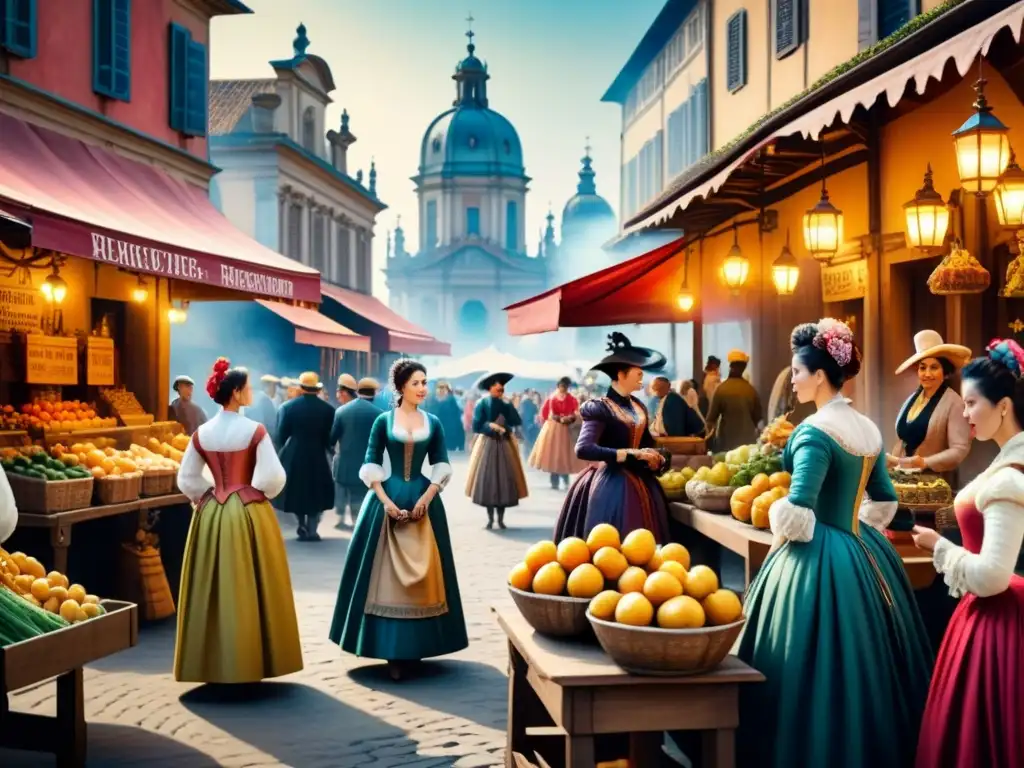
(283, 209)
(329, 265)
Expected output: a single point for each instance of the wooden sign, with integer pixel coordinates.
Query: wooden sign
(842, 282)
(99, 369)
(51, 359)
(21, 309)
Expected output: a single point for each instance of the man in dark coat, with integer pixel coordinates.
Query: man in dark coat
(351, 434)
(303, 432)
(735, 407)
(671, 416)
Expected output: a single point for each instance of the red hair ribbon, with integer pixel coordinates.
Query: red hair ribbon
(220, 370)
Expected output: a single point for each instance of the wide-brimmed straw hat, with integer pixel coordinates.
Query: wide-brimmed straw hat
(269, 379)
(347, 381)
(368, 383)
(624, 353)
(310, 382)
(488, 380)
(930, 344)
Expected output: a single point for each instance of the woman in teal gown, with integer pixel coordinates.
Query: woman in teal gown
(399, 595)
(831, 617)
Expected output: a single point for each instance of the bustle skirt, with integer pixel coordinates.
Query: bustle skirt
(555, 450)
(496, 477)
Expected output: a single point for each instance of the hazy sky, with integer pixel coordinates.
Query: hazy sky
(549, 60)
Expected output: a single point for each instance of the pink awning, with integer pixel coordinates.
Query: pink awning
(316, 330)
(88, 202)
(397, 333)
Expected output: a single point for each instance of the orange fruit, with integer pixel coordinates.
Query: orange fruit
(602, 535)
(677, 552)
(572, 552)
(779, 479)
(40, 590)
(722, 607)
(604, 604)
(549, 580)
(610, 562)
(57, 579)
(34, 567)
(69, 610)
(655, 562)
(90, 610)
(77, 593)
(634, 609)
(701, 581)
(59, 592)
(540, 554)
(661, 586)
(96, 600)
(639, 546)
(676, 569)
(519, 577)
(681, 612)
(760, 483)
(585, 581)
(52, 605)
(632, 579)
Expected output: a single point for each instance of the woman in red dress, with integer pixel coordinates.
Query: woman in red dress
(555, 450)
(975, 710)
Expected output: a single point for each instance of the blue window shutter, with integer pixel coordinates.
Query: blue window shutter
(787, 27)
(511, 225)
(18, 31)
(196, 81)
(659, 162)
(111, 48)
(702, 119)
(632, 186)
(177, 69)
(473, 221)
(736, 51)
(892, 14)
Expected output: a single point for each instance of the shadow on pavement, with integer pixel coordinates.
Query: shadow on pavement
(113, 746)
(529, 535)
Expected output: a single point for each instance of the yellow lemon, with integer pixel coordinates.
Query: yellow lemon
(603, 605)
(60, 593)
(585, 581)
(701, 581)
(69, 610)
(639, 546)
(519, 577)
(681, 612)
(634, 609)
(572, 552)
(91, 610)
(722, 607)
(655, 562)
(540, 554)
(550, 580)
(662, 586)
(96, 600)
(52, 605)
(40, 590)
(760, 483)
(603, 535)
(57, 579)
(76, 592)
(676, 552)
(632, 579)
(610, 562)
(676, 569)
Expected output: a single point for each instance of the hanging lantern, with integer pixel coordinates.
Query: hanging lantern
(927, 216)
(736, 267)
(54, 289)
(785, 271)
(140, 292)
(982, 146)
(1009, 195)
(823, 228)
(178, 315)
(685, 300)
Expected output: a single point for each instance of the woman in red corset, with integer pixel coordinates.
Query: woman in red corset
(555, 450)
(975, 711)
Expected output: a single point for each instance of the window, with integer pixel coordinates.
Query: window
(787, 27)
(430, 241)
(736, 51)
(472, 142)
(695, 28)
(112, 48)
(472, 221)
(893, 14)
(507, 146)
(309, 130)
(511, 225)
(18, 27)
(343, 257)
(688, 130)
(632, 190)
(188, 78)
(436, 145)
(295, 212)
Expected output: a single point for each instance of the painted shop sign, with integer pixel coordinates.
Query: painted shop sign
(99, 367)
(21, 309)
(51, 359)
(842, 282)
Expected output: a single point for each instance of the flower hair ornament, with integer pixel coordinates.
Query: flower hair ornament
(220, 370)
(1007, 353)
(836, 338)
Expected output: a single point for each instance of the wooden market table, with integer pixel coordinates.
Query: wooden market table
(585, 695)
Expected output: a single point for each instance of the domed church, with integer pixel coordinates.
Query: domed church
(471, 189)
(588, 222)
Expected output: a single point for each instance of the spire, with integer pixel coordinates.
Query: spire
(470, 34)
(470, 76)
(344, 120)
(359, 177)
(388, 252)
(399, 237)
(373, 177)
(540, 242)
(549, 232)
(301, 42)
(586, 184)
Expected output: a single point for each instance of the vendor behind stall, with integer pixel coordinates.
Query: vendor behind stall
(933, 434)
(183, 410)
(735, 407)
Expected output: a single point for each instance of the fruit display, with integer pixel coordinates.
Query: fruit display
(757, 464)
(709, 488)
(750, 503)
(673, 482)
(35, 462)
(737, 456)
(170, 447)
(125, 405)
(22, 620)
(958, 272)
(48, 414)
(915, 489)
(26, 577)
(777, 433)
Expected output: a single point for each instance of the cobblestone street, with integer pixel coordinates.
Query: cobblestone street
(340, 711)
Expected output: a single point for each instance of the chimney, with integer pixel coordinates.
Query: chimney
(263, 107)
(340, 141)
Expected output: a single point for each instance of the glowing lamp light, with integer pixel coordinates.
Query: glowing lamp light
(736, 267)
(982, 146)
(176, 315)
(1009, 195)
(823, 228)
(140, 292)
(685, 300)
(54, 289)
(785, 271)
(927, 216)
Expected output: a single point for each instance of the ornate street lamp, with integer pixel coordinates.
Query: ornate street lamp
(54, 289)
(685, 300)
(736, 267)
(1009, 195)
(927, 216)
(823, 228)
(140, 292)
(785, 271)
(982, 146)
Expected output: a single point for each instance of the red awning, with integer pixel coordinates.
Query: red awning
(316, 330)
(399, 334)
(88, 202)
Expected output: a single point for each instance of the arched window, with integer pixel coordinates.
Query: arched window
(472, 142)
(309, 129)
(473, 320)
(436, 144)
(508, 147)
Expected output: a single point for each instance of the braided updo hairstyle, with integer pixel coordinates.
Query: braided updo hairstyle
(815, 358)
(997, 375)
(224, 381)
(400, 374)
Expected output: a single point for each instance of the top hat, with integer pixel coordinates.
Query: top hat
(623, 353)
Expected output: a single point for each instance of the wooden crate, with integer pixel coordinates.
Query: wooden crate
(683, 446)
(117, 490)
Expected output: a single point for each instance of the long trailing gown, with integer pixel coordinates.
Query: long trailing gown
(831, 617)
(495, 478)
(625, 494)
(236, 613)
(975, 710)
(399, 595)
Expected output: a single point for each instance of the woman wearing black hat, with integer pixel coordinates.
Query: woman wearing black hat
(496, 479)
(620, 488)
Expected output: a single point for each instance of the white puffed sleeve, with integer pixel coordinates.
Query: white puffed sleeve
(441, 473)
(192, 479)
(8, 509)
(268, 475)
(988, 573)
(877, 514)
(790, 521)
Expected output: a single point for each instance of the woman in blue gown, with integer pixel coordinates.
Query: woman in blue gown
(831, 617)
(399, 595)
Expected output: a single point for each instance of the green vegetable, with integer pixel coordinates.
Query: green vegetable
(21, 620)
(40, 458)
(22, 461)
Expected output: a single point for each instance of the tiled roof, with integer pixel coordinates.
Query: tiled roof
(231, 99)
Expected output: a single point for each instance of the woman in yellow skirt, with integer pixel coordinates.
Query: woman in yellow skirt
(236, 613)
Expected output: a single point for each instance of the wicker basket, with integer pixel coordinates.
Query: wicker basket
(553, 615)
(668, 652)
(710, 498)
(158, 482)
(682, 446)
(49, 496)
(144, 580)
(117, 490)
(945, 519)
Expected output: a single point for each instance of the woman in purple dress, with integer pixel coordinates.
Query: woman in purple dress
(620, 486)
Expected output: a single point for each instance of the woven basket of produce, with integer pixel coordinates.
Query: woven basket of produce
(710, 498)
(554, 615)
(47, 496)
(682, 446)
(958, 273)
(158, 482)
(118, 489)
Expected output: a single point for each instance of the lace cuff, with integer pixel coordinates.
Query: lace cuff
(877, 514)
(790, 521)
(371, 473)
(947, 556)
(441, 473)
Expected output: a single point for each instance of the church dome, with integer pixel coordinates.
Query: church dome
(586, 207)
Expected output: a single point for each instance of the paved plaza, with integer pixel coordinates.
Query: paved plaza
(340, 711)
